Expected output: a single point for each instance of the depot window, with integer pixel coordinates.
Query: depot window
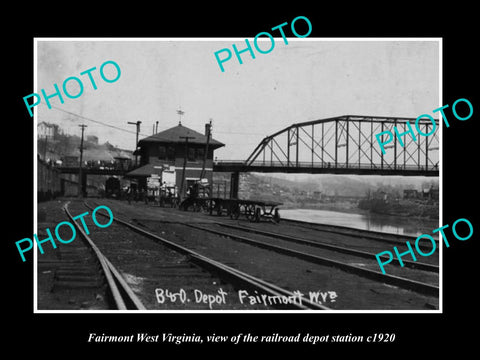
(166, 152)
(191, 154)
(170, 153)
(162, 152)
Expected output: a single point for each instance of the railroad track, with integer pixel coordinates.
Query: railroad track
(227, 273)
(340, 249)
(377, 282)
(398, 281)
(389, 238)
(119, 292)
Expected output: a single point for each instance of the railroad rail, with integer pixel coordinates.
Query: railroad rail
(226, 272)
(390, 238)
(420, 287)
(340, 249)
(122, 296)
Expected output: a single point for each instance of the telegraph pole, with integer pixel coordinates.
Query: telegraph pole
(185, 160)
(80, 175)
(136, 142)
(209, 132)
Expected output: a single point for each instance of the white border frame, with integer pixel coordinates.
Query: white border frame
(366, 39)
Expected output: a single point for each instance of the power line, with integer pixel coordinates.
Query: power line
(239, 133)
(134, 132)
(97, 121)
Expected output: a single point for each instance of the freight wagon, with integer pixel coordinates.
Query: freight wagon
(49, 183)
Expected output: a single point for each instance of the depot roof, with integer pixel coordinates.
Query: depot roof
(146, 170)
(177, 134)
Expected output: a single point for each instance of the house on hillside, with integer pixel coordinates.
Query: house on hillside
(410, 194)
(431, 193)
(164, 154)
(92, 139)
(46, 130)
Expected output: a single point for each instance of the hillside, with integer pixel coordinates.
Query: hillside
(64, 145)
(338, 192)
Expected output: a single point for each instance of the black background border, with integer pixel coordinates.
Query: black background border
(46, 332)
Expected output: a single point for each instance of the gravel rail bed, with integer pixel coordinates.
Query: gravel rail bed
(68, 276)
(353, 292)
(371, 264)
(349, 241)
(162, 278)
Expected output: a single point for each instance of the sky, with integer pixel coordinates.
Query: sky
(308, 79)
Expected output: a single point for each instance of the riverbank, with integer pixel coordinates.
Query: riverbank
(341, 206)
(402, 208)
(368, 221)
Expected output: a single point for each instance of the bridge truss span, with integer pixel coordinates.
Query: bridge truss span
(348, 145)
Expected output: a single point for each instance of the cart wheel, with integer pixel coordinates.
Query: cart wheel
(206, 207)
(257, 215)
(235, 212)
(250, 212)
(276, 216)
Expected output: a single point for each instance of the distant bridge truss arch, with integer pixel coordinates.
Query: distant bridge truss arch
(346, 145)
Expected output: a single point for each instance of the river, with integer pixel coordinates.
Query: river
(374, 222)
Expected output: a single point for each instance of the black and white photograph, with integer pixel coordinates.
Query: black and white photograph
(270, 185)
(230, 178)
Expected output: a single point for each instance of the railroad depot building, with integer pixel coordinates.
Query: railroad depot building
(163, 155)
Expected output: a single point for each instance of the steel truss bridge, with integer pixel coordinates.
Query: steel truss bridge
(345, 145)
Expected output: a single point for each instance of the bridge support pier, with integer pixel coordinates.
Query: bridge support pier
(234, 180)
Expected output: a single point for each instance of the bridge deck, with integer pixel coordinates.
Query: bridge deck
(307, 168)
(302, 168)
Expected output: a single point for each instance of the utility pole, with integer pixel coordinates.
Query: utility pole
(209, 131)
(184, 161)
(136, 141)
(80, 175)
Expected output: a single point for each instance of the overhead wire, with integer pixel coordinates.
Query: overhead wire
(97, 121)
(133, 132)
